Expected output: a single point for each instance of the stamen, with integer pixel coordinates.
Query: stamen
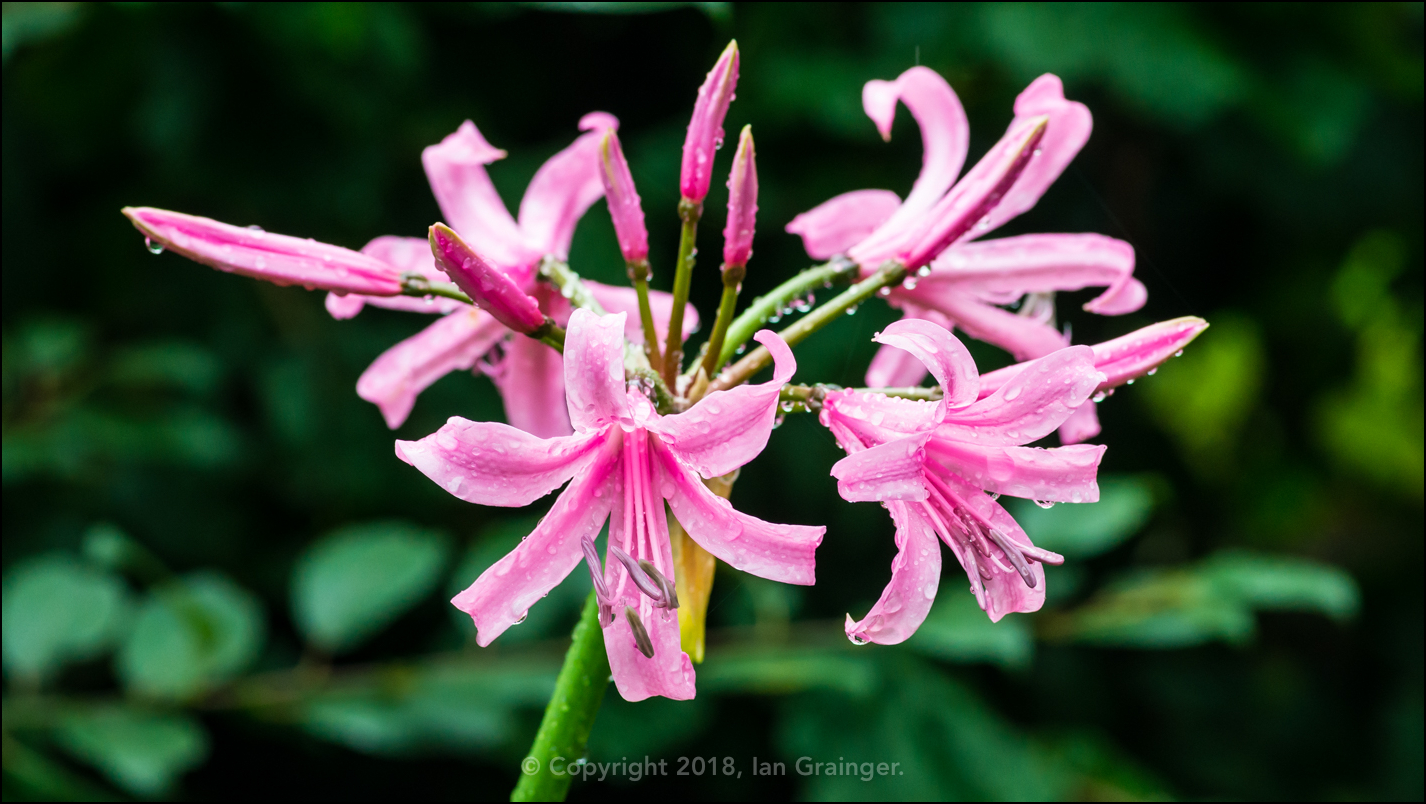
(1033, 553)
(641, 636)
(636, 574)
(1012, 552)
(670, 594)
(596, 569)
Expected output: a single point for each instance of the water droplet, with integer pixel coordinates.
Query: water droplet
(851, 311)
(994, 495)
(257, 231)
(776, 423)
(924, 270)
(1099, 397)
(1179, 353)
(1012, 392)
(1044, 503)
(929, 591)
(154, 248)
(1130, 382)
(884, 292)
(521, 618)
(1153, 371)
(858, 639)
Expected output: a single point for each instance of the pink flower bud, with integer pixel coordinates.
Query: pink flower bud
(742, 203)
(623, 200)
(487, 286)
(705, 130)
(275, 258)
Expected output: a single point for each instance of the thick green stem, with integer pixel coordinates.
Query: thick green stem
(726, 305)
(890, 274)
(564, 733)
(646, 315)
(690, 212)
(769, 306)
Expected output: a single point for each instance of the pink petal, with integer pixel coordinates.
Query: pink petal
(490, 463)
(594, 370)
(1082, 425)
(615, 299)
(784, 553)
(1063, 474)
(705, 128)
(531, 380)
(726, 429)
(275, 258)
(487, 285)
(894, 368)
(1012, 266)
(453, 343)
(503, 594)
(948, 359)
(1067, 132)
(915, 576)
(1006, 592)
(1031, 405)
(876, 419)
(347, 306)
(890, 471)
(1021, 336)
(840, 222)
(468, 200)
(564, 188)
(945, 135)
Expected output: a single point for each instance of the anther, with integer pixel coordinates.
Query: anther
(670, 593)
(638, 576)
(1012, 552)
(641, 636)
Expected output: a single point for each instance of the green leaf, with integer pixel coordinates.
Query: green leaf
(958, 631)
(1084, 530)
(58, 610)
(778, 669)
(176, 364)
(1284, 583)
(142, 752)
(191, 635)
(358, 580)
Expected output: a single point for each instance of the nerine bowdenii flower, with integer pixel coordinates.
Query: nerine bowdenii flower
(623, 462)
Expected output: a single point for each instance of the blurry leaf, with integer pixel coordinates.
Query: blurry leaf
(34, 22)
(178, 364)
(143, 752)
(57, 610)
(1104, 773)
(554, 615)
(453, 707)
(653, 727)
(88, 440)
(51, 346)
(32, 776)
(109, 547)
(191, 635)
(1085, 530)
(1204, 397)
(1210, 601)
(777, 669)
(359, 579)
(957, 630)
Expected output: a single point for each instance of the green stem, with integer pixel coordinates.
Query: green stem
(726, 305)
(550, 334)
(646, 316)
(417, 285)
(690, 212)
(564, 733)
(890, 274)
(766, 307)
(559, 274)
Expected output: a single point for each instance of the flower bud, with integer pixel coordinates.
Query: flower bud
(623, 200)
(488, 286)
(705, 129)
(742, 204)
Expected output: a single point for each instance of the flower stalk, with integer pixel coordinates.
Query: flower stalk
(689, 212)
(770, 306)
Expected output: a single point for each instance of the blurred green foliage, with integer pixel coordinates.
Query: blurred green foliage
(214, 563)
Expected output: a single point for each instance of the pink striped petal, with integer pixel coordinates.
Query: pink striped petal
(1081, 425)
(705, 127)
(942, 353)
(1021, 336)
(531, 379)
(1063, 474)
(1067, 132)
(1037, 263)
(726, 429)
(503, 594)
(453, 343)
(890, 471)
(1031, 405)
(784, 553)
(489, 463)
(594, 370)
(1006, 591)
(564, 188)
(468, 200)
(840, 222)
(915, 577)
(876, 419)
(742, 202)
(275, 258)
(615, 299)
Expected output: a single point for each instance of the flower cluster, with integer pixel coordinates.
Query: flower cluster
(598, 399)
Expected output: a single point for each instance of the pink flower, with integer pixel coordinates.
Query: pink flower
(932, 463)
(623, 200)
(742, 204)
(964, 285)
(625, 460)
(705, 129)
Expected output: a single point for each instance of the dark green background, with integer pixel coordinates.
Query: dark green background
(1265, 162)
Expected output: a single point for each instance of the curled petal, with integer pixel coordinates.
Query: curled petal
(840, 222)
(487, 285)
(942, 353)
(1038, 263)
(1081, 425)
(705, 128)
(742, 203)
(783, 553)
(616, 299)
(915, 576)
(894, 368)
(531, 383)
(890, 471)
(503, 594)
(276, 258)
(594, 370)
(453, 343)
(1068, 130)
(1031, 405)
(1023, 337)
(564, 188)
(726, 429)
(468, 200)
(1063, 474)
(489, 463)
